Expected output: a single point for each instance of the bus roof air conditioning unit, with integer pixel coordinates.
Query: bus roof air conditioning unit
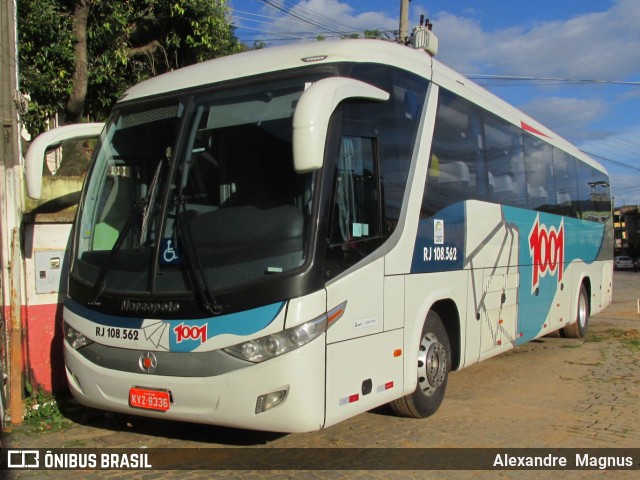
(423, 37)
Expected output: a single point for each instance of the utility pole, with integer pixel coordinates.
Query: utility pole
(8, 73)
(404, 20)
(11, 272)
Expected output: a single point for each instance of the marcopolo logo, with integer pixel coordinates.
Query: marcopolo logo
(546, 246)
(149, 307)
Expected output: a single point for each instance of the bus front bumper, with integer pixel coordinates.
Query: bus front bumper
(228, 400)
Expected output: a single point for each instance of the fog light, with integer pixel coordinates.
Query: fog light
(270, 400)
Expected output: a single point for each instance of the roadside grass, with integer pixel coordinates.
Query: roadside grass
(44, 411)
(631, 338)
(627, 339)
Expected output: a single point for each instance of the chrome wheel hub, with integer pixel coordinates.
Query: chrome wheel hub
(432, 364)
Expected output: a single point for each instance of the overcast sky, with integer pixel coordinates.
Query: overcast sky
(568, 39)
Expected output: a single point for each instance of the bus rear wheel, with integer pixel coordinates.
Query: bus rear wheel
(578, 329)
(434, 363)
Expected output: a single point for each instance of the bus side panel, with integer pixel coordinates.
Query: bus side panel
(607, 284)
(551, 250)
(363, 373)
(595, 275)
(393, 302)
(362, 289)
(564, 297)
(491, 254)
(475, 236)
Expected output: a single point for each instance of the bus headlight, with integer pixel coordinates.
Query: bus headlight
(261, 349)
(74, 338)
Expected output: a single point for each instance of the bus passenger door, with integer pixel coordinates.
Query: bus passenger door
(362, 369)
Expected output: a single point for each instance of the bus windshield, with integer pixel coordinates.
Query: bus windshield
(195, 193)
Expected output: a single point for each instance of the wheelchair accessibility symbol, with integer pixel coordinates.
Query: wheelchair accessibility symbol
(169, 252)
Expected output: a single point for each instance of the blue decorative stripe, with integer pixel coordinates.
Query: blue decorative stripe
(186, 335)
(582, 241)
(102, 318)
(440, 247)
(240, 323)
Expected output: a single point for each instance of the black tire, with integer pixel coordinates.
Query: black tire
(434, 363)
(578, 329)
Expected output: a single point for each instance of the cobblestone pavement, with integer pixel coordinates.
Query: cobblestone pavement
(550, 393)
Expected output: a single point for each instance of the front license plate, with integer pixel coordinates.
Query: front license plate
(159, 400)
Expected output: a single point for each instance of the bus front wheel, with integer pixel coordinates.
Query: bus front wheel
(578, 329)
(434, 363)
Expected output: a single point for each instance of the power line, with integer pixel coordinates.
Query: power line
(321, 22)
(269, 32)
(328, 26)
(528, 81)
(268, 24)
(575, 81)
(322, 25)
(329, 23)
(617, 162)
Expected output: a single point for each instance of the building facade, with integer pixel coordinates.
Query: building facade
(627, 230)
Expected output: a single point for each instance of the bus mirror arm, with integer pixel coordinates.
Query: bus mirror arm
(48, 141)
(312, 114)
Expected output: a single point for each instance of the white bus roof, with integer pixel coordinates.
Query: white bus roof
(275, 59)
(290, 56)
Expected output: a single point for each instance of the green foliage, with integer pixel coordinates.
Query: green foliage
(42, 412)
(45, 58)
(368, 34)
(374, 34)
(128, 41)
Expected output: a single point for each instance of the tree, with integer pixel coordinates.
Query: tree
(368, 34)
(77, 57)
(375, 34)
(45, 50)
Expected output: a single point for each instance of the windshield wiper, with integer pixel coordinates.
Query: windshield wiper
(194, 268)
(148, 209)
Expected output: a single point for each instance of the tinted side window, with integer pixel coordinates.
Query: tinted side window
(478, 155)
(594, 195)
(356, 213)
(538, 172)
(372, 158)
(564, 170)
(356, 225)
(396, 122)
(456, 166)
(505, 162)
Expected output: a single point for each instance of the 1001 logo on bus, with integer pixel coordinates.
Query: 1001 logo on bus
(185, 332)
(546, 246)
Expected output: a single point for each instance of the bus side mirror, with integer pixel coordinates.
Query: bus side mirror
(311, 118)
(47, 141)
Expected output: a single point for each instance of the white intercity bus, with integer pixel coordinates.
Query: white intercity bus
(285, 238)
